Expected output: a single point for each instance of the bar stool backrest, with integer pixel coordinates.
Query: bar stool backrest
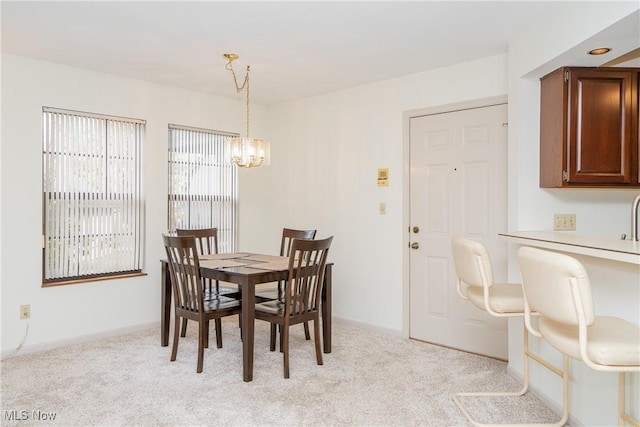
(556, 286)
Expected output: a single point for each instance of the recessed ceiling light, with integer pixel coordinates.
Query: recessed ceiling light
(599, 51)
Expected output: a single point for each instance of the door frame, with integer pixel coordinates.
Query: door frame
(406, 194)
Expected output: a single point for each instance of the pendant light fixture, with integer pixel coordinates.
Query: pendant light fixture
(246, 152)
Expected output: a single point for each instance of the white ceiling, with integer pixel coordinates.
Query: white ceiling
(295, 49)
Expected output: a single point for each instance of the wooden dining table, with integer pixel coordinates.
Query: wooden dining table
(246, 270)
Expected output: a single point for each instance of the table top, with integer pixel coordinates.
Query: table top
(232, 266)
(244, 262)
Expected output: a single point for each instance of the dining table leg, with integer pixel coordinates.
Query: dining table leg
(165, 311)
(326, 308)
(247, 320)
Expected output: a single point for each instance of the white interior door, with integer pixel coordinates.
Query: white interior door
(458, 183)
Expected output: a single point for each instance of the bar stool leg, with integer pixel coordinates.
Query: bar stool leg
(564, 374)
(622, 412)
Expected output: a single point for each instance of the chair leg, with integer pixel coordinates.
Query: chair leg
(202, 329)
(272, 338)
(218, 333)
(564, 374)
(206, 334)
(623, 416)
(316, 338)
(306, 331)
(284, 336)
(183, 332)
(176, 337)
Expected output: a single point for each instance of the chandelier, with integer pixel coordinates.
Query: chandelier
(246, 152)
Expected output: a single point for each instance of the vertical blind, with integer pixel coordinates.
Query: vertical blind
(203, 183)
(93, 204)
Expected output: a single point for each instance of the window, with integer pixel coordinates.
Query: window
(93, 205)
(203, 183)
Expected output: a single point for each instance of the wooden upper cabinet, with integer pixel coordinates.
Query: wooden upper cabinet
(589, 128)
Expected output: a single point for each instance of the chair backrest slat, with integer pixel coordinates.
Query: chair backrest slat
(307, 262)
(206, 239)
(184, 268)
(288, 234)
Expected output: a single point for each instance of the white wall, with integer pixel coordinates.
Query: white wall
(325, 154)
(70, 312)
(599, 212)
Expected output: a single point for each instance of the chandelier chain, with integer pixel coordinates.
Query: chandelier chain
(239, 88)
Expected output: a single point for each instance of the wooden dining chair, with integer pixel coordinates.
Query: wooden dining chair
(288, 234)
(301, 297)
(188, 295)
(207, 244)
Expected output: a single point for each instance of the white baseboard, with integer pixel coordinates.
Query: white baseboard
(50, 345)
(387, 331)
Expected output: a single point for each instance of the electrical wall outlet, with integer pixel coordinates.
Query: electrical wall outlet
(564, 222)
(25, 311)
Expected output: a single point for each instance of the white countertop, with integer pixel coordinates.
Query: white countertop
(600, 247)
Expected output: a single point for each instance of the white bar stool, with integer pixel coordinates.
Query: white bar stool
(473, 268)
(557, 287)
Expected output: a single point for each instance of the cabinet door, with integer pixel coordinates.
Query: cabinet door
(600, 138)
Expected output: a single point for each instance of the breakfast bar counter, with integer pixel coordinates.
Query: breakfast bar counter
(626, 251)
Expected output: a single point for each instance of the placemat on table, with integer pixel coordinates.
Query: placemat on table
(224, 256)
(221, 263)
(274, 266)
(268, 258)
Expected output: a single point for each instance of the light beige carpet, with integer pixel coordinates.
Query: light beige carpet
(370, 379)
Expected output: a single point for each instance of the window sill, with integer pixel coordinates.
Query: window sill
(92, 279)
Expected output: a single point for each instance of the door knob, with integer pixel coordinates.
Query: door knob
(415, 245)
(416, 229)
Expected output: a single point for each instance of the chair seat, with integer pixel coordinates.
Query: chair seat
(227, 290)
(272, 307)
(220, 303)
(503, 297)
(611, 340)
(268, 293)
(223, 292)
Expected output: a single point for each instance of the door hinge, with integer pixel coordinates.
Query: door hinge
(565, 176)
(566, 76)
